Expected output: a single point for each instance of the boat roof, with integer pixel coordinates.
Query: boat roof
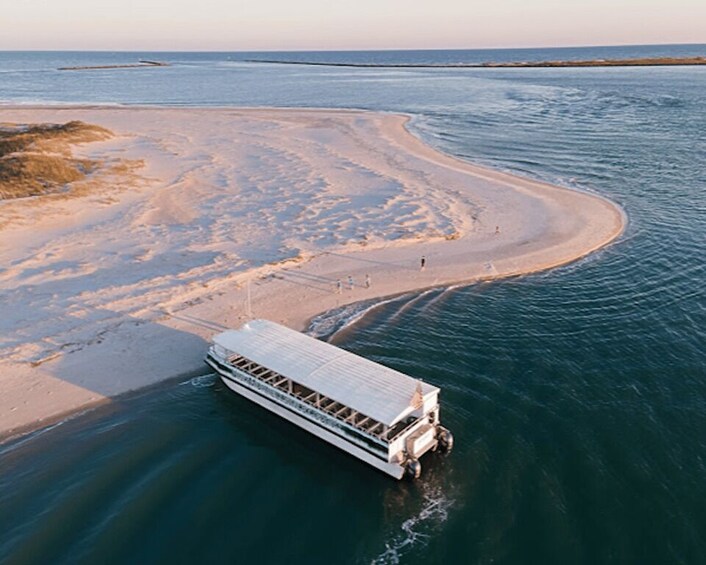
(374, 390)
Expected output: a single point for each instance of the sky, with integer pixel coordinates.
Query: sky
(251, 25)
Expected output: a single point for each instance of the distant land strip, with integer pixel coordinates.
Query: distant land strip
(643, 62)
(140, 64)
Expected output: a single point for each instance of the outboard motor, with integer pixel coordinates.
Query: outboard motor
(413, 468)
(446, 439)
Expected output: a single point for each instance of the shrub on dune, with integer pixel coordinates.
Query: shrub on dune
(36, 159)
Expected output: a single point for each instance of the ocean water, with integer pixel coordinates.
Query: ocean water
(577, 397)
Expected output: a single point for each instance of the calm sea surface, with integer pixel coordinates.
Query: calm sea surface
(577, 397)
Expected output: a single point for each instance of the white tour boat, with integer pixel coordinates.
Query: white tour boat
(381, 416)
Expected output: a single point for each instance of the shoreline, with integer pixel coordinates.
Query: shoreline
(589, 63)
(294, 290)
(142, 64)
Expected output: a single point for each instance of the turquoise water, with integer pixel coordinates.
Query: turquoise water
(577, 397)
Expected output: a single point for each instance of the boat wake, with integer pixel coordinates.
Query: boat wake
(416, 531)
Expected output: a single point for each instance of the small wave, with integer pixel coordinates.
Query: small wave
(417, 530)
(659, 100)
(445, 293)
(202, 381)
(408, 304)
(328, 324)
(13, 442)
(59, 103)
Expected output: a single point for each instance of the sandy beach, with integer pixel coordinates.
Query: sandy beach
(123, 286)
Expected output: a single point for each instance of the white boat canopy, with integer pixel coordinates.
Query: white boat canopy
(374, 390)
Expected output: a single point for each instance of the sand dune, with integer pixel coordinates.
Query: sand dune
(123, 287)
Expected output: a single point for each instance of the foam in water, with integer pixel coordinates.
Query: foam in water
(328, 324)
(416, 530)
(445, 292)
(203, 381)
(407, 305)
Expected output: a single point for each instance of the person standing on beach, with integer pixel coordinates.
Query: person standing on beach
(350, 282)
(423, 263)
(339, 286)
(367, 280)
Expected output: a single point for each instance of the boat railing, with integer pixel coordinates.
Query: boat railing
(333, 408)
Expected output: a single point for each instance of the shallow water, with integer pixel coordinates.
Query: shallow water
(577, 397)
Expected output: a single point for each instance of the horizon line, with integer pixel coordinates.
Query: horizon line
(363, 50)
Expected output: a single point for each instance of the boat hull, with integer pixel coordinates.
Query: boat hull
(394, 470)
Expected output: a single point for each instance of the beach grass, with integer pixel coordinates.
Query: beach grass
(36, 159)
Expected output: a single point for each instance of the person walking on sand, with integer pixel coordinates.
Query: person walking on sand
(497, 230)
(423, 263)
(339, 286)
(350, 282)
(367, 280)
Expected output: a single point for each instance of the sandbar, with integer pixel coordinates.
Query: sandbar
(578, 63)
(241, 213)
